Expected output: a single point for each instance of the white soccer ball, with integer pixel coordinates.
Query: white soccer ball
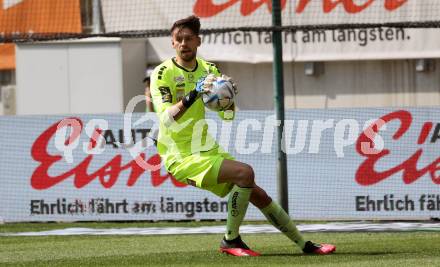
(221, 95)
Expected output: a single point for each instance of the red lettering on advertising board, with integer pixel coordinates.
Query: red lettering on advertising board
(349, 5)
(94, 139)
(366, 174)
(329, 5)
(207, 8)
(107, 174)
(394, 4)
(426, 129)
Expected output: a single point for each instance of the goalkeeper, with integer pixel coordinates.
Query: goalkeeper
(176, 86)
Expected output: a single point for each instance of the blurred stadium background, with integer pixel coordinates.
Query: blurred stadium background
(345, 64)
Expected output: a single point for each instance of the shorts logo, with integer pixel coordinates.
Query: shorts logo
(166, 94)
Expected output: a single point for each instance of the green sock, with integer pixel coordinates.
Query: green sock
(237, 206)
(276, 215)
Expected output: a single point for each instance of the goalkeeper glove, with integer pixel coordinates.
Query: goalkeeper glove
(203, 85)
(229, 79)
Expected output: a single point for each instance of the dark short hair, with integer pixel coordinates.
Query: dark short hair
(191, 22)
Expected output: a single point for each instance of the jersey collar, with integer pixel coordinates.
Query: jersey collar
(180, 67)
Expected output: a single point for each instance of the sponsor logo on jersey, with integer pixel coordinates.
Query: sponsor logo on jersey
(179, 79)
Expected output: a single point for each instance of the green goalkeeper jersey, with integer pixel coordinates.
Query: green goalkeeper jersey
(170, 82)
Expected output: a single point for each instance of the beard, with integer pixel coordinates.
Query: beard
(188, 56)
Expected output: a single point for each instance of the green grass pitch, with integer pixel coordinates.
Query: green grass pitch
(353, 249)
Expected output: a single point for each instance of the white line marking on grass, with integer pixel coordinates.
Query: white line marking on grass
(247, 229)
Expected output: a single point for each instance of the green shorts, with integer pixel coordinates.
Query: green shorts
(201, 170)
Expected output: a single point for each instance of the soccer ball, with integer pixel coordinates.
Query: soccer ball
(221, 96)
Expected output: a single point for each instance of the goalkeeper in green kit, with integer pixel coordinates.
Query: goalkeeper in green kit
(176, 87)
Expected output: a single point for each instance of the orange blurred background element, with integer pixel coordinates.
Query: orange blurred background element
(7, 56)
(36, 16)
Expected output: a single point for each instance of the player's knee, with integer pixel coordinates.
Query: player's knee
(245, 176)
(260, 198)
